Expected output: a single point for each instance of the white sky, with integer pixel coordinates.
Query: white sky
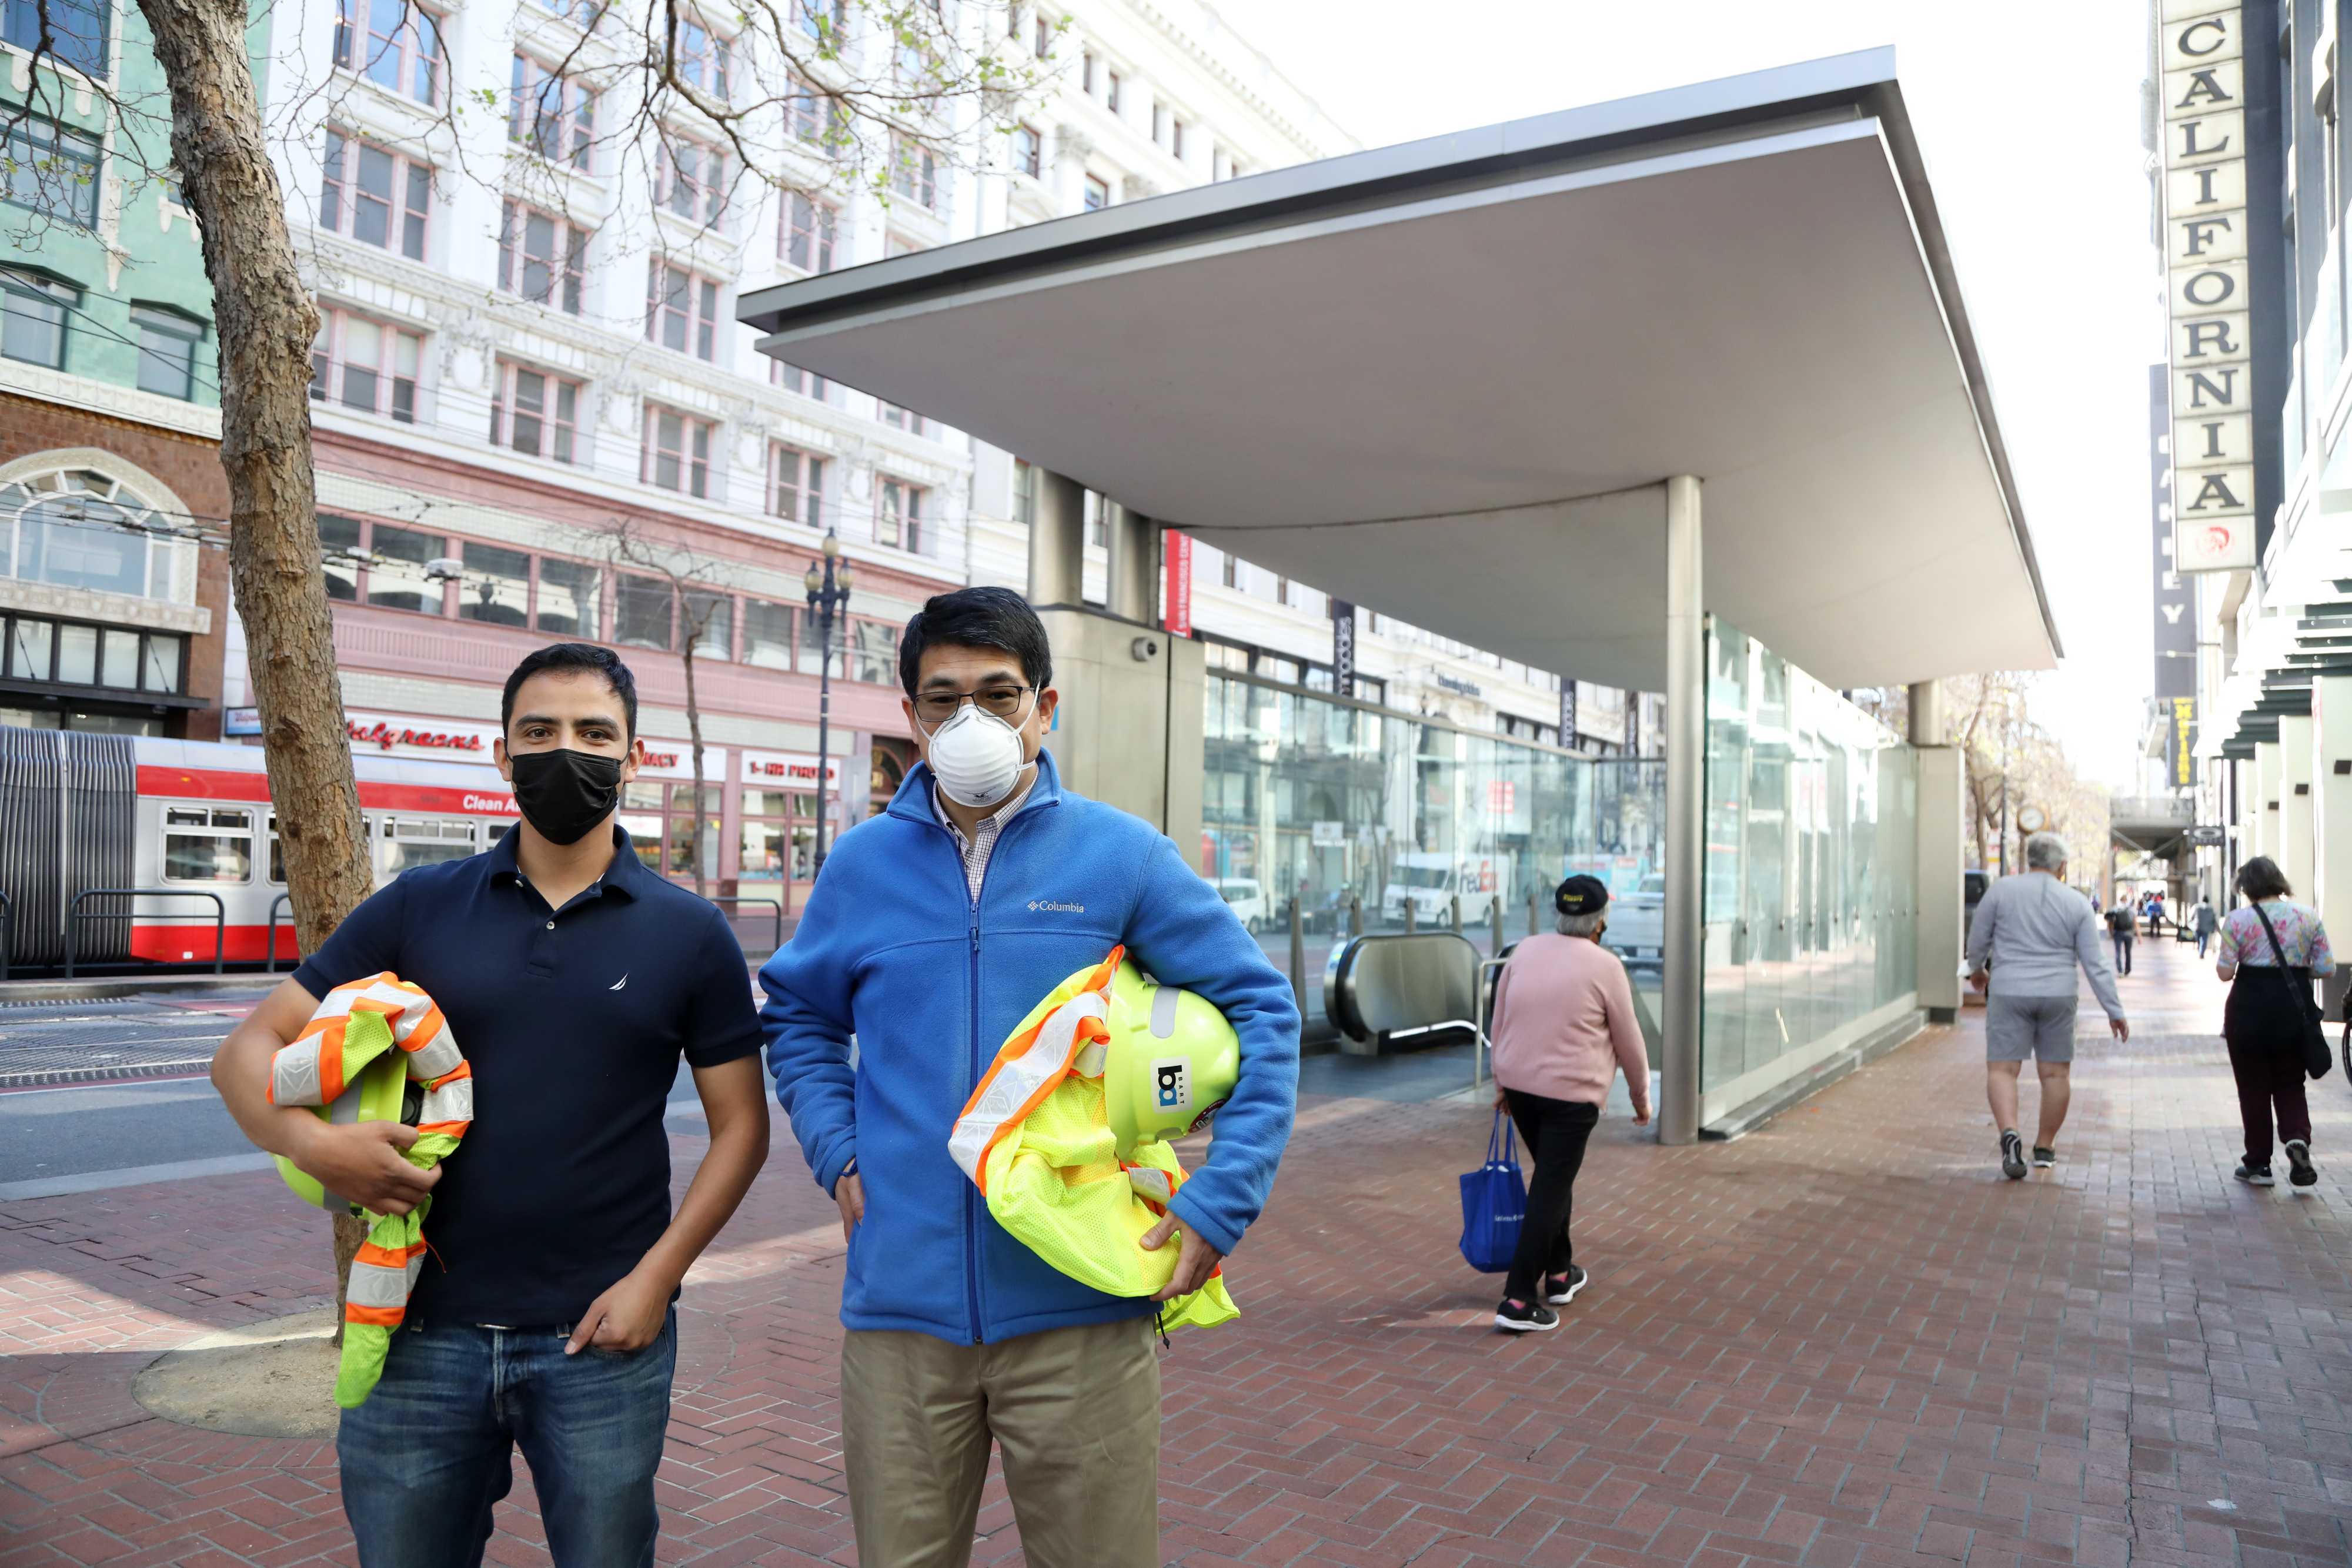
(2031, 135)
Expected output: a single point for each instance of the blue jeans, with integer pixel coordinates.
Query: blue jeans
(432, 1449)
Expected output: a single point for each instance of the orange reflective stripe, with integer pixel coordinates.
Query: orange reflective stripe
(379, 1317)
(463, 1070)
(427, 1031)
(455, 1129)
(331, 1063)
(386, 1257)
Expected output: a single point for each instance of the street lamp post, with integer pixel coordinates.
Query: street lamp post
(828, 596)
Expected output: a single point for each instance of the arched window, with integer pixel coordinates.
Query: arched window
(79, 526)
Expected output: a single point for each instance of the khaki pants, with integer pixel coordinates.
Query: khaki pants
(1075, 1410)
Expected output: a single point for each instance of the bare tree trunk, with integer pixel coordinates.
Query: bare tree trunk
(267, 322)
(694, 734)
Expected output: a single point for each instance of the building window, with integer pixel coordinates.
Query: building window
(571, 598)
(581, 14)
(1028, 152)
(915, 173)
(690, 180)
(1114, 95)
(1097, 518)
(821, 19)
(1025, 492)
(535, 412)
(77, 31)
(795, 485)
(496, 586)
(375, 195)
(1043, 38)
(1231, 574)
(805, 240)
(677, 451)
(704, 60)
(207, 844)
(365, 365)
(1176, 138)
(398, 577)
(643, 614)
(794, 379)
(554, 116)
(49, 170)
(81, 528)
(709, 622)
(767, 634)
(1098, 193)
(393, 43)
(33, 317)
(682, 311)
(899, 418)
(540, 257)
(167, 350)
(814, 116)
(873, 652)
(899, 514)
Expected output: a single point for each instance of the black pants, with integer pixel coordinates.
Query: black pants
(1554, 1132)
(2260, 1024)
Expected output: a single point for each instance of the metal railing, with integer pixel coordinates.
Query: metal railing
(270, 963)
(774, 904)
(74, 916)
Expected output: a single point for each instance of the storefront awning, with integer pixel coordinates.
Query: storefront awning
(1440, 378)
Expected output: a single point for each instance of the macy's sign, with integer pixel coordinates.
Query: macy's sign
(381, 733)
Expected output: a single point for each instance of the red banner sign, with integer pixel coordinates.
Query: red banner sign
(1176, 557)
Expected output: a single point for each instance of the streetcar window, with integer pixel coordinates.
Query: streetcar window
(276, 853)
(207, 844)
(424, 841)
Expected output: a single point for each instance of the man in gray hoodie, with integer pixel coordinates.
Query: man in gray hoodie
(2033, 932)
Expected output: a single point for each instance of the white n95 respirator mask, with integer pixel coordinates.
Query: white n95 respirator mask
(977, 757)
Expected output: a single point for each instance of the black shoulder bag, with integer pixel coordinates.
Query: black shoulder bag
(2311, 1044)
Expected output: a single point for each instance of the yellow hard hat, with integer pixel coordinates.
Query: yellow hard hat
(1170, 1062)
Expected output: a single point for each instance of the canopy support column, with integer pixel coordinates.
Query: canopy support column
(1057, 537)
(1685, 748)
(1134, 566)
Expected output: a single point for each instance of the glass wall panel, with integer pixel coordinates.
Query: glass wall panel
(1373, 820)
(1812, 841)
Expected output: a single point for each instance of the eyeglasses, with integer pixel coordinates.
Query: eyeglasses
(998, 702)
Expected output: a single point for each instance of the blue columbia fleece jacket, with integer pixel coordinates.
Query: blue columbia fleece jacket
(892, 948)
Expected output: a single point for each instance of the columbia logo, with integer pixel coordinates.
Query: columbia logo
(1055, 907)
(618, 984)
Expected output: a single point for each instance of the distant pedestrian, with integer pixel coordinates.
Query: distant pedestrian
(1564, 1024)
(2207, 923)
(2034, 933)
(2266, 1016)
(2123, 926)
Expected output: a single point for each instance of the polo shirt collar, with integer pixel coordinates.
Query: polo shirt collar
(627, 875)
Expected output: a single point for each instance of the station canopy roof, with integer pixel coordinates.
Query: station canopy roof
(1442, 380)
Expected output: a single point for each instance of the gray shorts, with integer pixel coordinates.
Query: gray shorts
(2039, 1026)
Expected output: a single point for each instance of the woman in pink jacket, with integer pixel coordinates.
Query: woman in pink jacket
(1564, 1024)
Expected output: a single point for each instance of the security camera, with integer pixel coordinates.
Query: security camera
(1145, 649)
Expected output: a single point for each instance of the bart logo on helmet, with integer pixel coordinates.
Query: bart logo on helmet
(1103, 1071)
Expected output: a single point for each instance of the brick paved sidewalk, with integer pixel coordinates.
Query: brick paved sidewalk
(1840, 1341)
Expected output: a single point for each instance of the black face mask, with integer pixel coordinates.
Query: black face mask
(564, 793)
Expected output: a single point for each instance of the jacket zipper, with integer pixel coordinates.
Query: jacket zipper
(971, 1200)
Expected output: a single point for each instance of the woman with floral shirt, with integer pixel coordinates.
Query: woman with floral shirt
(2265, 1017)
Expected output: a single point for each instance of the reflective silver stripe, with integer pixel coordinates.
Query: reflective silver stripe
(450, 1103)
(430, 1061)
(1152, 1183)
(1017, 1079)
(294, 1073)
(1164, 1012)
(373, 1285)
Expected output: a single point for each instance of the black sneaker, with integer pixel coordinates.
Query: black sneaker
(1533, 1317)
(2255, 1175)
(2013, 1156)
(1560, 1288)
(2300, 1171)
(2044, 1156)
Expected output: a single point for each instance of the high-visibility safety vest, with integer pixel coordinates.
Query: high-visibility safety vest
(363, 1057)
(1041, 1136)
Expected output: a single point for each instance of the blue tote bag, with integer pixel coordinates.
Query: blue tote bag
(1494, 1199)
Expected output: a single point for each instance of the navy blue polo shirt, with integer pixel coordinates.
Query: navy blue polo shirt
(574, 1021)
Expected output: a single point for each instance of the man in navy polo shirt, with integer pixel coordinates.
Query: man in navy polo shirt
(574, 978)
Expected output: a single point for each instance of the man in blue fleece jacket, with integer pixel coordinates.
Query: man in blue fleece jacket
(934, 929)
